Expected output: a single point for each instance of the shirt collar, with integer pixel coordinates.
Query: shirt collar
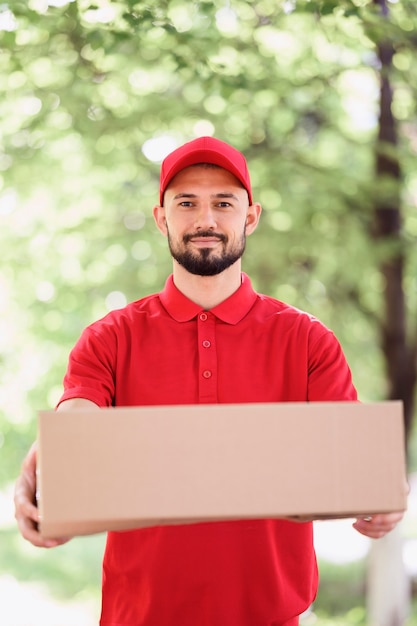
(231, 310)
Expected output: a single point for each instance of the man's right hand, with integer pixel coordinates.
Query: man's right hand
(26, 511)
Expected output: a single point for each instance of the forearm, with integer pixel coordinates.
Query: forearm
(77, 403)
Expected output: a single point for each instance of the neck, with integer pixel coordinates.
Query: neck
(208, 291)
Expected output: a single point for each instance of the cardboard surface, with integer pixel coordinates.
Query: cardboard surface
(120, 468)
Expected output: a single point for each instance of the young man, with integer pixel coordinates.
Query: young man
(206, 338)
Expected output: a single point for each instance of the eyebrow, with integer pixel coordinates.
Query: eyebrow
(215, 195)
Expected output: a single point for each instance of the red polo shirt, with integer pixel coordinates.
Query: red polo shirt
(165, 349)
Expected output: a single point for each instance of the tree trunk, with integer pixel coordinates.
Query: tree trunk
(399, 352)
(388, 598)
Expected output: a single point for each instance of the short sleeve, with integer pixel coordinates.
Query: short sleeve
(329, 375)
(91, 367)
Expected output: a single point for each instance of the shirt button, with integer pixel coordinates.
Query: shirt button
(207, 374)
(206, 344)
(203, 316)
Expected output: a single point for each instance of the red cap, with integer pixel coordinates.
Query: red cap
(205, 150)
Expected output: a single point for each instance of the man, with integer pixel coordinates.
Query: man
(206, 338)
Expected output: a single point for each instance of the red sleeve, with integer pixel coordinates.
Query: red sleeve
(329, 376)
(91, 367)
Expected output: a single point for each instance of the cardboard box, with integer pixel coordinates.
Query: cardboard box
(120, 468)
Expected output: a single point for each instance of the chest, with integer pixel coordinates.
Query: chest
(208, 361)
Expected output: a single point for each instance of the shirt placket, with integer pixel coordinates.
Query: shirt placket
(207, 357)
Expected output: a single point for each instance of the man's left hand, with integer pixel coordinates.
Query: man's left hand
(376, 526)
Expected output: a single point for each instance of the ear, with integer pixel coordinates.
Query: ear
(252, 217)
(160, 219)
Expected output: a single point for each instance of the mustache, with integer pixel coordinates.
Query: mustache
(204, 233)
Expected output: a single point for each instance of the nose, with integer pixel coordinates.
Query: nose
(205, 218)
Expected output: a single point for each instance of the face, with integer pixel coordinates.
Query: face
(206, 217)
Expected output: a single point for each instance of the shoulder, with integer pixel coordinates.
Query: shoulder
(273, 307)
(130, 315)
(294, 322)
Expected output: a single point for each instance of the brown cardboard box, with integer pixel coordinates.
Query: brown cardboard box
(120, 468)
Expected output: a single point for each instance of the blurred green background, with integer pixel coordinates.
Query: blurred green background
(94, 94)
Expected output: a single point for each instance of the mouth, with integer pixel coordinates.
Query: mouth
(205, 239)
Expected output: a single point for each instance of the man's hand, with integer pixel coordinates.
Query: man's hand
(376, 526)
(26, 511)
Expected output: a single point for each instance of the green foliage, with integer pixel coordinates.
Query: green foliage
(70, 570)
(87, 86)
(342, 589)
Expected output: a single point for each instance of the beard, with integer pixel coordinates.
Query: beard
(206, 261)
